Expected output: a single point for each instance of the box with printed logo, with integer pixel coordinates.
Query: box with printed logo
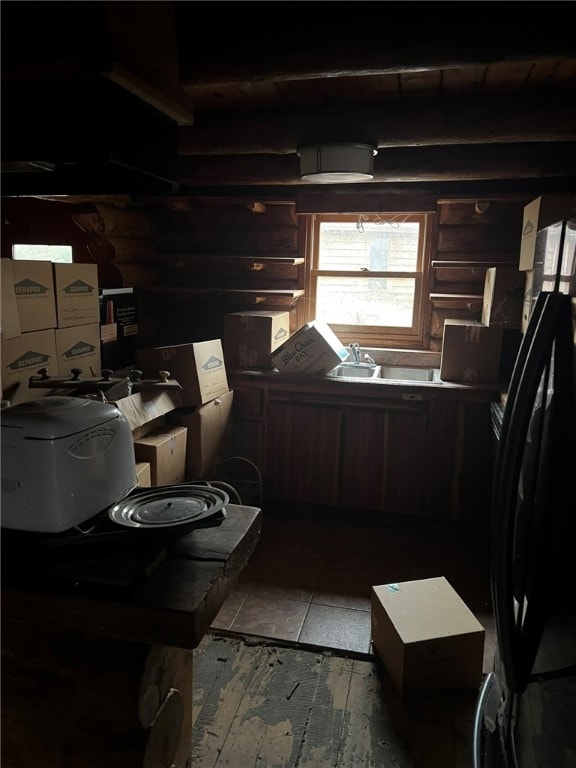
(198, 367)
(314, 348)
(35, 297)
(22, 357)
(79, 347)
(251, 337)
(77, 297)
(10, 321)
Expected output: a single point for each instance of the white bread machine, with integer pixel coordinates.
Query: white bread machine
(64, 460)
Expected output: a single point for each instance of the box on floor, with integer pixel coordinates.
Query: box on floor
(198, 368)
(165, 451)
(429, 641)
(207, 426)
(251, 337)
(313, 349)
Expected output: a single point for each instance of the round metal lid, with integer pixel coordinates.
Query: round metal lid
(169, 506)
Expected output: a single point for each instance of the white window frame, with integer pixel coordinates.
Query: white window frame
(409, 337)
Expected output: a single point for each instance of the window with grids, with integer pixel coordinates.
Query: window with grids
(366, 276)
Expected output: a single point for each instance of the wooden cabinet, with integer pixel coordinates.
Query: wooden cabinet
(417, 451)
(382, 457)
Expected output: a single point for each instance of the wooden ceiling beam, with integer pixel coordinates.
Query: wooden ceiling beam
(416, 164)
(410, 122)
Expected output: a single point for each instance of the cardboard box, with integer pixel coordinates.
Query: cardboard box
(540, 213)
(78, 347)
(503, 297)
(35, 294)
(143, 476)
(251, 337)
(143, 408)
(314, 348)
(427, 637)
(207, 425)
(10, 321)
(198, 368)
(77, 299)
(165, 451)
(22, 357)
(470, 352)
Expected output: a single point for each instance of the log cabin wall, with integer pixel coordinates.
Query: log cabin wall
(194, 260)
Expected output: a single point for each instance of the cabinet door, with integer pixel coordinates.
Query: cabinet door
(382, 459)
(303, 450)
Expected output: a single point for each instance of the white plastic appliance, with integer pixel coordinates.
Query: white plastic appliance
(64, 460)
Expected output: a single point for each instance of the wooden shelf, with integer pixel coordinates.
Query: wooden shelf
(249, 295)
(454, 300)
(240, 258)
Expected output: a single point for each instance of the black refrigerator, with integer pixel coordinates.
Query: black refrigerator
(526, 710)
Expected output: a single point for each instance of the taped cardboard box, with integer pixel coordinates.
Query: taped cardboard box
(165, 451)
(35, 294)
(10, 320)
(428, 639)
(251, 337)
(77, 299)
(199, 369)
(470, 352)
(207, 427)
(23, 357)
(314, 349)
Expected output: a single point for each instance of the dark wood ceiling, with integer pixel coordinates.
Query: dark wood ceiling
(446, 92)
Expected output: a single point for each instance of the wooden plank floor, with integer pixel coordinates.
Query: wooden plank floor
(259, 705)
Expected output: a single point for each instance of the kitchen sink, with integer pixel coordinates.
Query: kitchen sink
(409, 373)
(356, 371)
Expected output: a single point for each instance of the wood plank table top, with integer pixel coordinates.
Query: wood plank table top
(174, 605)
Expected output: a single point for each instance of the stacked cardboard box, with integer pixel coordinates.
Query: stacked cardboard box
(58, 320)
(250, 338)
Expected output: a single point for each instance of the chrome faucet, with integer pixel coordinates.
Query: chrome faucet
(355, 349)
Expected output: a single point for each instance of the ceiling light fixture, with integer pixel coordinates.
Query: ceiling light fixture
(336, 163)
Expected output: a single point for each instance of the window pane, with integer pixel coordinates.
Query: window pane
(58, 253)
(383, 247)
(365, 301)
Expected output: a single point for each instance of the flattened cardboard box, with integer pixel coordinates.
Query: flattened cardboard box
(79, 347)
(10, 321)
(35, 294)
(77, 299)
(207, 425)
(165, 451)
(314, 348)
(23, 357)
(198, 368)
(428, 639)
(538, 214)
(251, 337)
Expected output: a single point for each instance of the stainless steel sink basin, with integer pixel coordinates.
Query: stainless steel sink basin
(356, 371)
(408, 373)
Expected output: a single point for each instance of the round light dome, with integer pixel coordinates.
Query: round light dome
(336, 163)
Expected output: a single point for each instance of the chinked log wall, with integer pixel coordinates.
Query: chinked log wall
(195, 260)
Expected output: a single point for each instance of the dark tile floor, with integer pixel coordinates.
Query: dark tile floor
(309, 580)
